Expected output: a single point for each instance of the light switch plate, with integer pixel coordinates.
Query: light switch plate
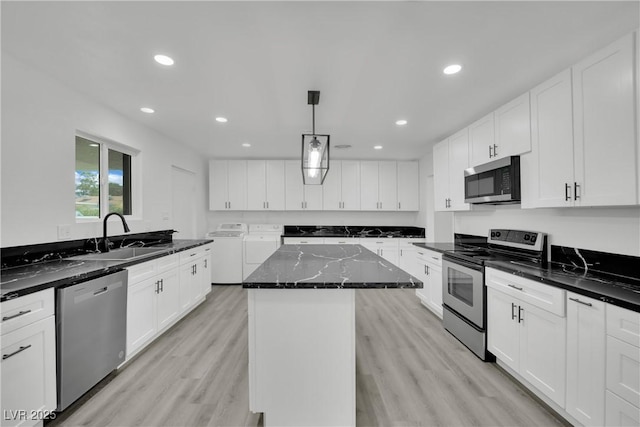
(64, 231)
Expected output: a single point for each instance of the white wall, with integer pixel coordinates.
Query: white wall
(39, 119)
(615, 230)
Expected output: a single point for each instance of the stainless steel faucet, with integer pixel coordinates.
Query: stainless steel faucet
(105, 242)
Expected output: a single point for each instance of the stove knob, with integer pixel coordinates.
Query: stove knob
(526, 237)
(498, 234)
(533, 238)
(493, 234)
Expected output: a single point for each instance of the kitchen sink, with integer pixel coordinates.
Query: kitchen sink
(124, 254)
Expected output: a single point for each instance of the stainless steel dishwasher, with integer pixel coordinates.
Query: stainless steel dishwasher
(91, 323)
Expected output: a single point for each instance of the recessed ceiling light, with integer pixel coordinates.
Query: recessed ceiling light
(377, 147)
(401, 122)
(163, 59)
(147, 110)
(246, 145)
(221, 119)
(452, 69)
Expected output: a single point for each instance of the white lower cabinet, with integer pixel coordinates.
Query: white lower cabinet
(407, 253)
(526, 328)
(162, 291)
(28, 369)
(585, 359)
(623, 367)
(428, 268)
(386, 248)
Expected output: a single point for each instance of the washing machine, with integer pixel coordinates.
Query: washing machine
(226, 259)
(259, 243)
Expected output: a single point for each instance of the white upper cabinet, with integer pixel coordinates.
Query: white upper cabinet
(450, 159)
(297, 195)
(265, 185)
(378, 182)
(547, 172)
(512, 128)
(604, 127)
(227, 185)
(408, 186)
(482, 140)
(341, 188)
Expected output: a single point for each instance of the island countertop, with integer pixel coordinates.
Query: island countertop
(326, 267)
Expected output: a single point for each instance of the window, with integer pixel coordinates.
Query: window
(103, 178)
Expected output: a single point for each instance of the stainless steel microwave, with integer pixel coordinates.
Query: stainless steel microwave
(495, 182)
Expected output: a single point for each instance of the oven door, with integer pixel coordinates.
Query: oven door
(463, 289)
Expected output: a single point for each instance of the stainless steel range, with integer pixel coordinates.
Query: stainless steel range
(464, 294)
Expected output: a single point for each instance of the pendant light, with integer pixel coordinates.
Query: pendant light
(315, 148)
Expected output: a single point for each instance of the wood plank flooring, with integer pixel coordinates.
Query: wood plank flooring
(410, 372)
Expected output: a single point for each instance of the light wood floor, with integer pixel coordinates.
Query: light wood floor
(410, 372)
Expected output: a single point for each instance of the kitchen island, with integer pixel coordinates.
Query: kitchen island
(301, 312)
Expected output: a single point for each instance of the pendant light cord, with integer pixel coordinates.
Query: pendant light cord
(313, 119)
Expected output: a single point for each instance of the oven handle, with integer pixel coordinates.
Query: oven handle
(461, 263)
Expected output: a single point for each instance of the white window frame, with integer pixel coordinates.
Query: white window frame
(136, 176)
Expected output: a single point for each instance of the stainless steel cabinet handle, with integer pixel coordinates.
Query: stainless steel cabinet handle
(264, 205)
(425, 269)
(22, 313)
(399, 205)
(428, 270)
(205, 263)
(267, 205)
(157, 286)
(513, 314)
(229, 205)
(575, 191)
(20, 350)
(495, 150)
(400, 252)
(490, 155)
(420, 253)
(581, 302)
(520, 316)
(436, 258)
(514, 287)
(567, 189)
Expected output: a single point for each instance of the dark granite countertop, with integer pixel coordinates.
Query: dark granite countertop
(26, 279)
(438, 247)
(358, 231)
(328, 266)
(618, 294)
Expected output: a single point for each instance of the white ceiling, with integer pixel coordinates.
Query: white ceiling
(253, 62)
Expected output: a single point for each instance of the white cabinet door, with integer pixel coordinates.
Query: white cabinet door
(313, 197)
(547, 172)
(205, 264)
(142, 314)
(28, 371)
(458, 162)
(386, 248)
(237, 183)
(369, 186)
(187, 278)
(388, 186)
(623, 370)
(350, 185)
(481, 140)
(585, 359)
(294, 188)
(503, 330)
(218, 189)
(441, 175)
(543, 351)
(168, 295)
(275, 185)
(420, 272)
(256, 186)
(332, 187)
(408, 186)
(604, 121)
(512, 128)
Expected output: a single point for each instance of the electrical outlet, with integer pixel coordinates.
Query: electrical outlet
(64, 232)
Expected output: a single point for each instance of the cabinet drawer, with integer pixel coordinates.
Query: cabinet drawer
(619, 412)
(341, 241)
(27, 309)
(623, 324)
(190, 255)
(139, 272)
(429, 256)
(540, 295)
(623, 370)
(303, 241)
(167, 263)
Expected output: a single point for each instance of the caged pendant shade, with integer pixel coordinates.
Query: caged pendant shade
(315, 149)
